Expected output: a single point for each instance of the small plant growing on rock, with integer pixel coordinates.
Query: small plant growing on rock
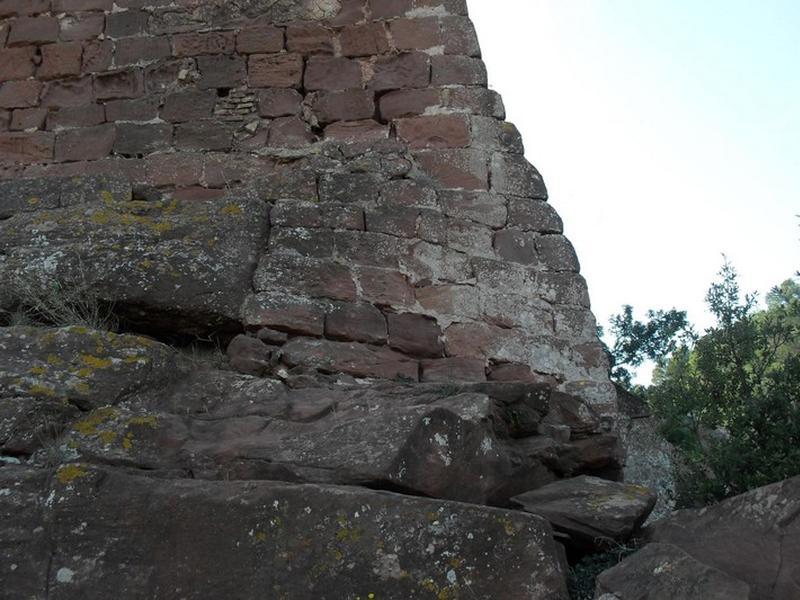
(60, 302)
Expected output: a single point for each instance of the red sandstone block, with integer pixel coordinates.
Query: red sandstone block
(275, 70)
(408, 103)
(357, 131)
(416, 34)
(22, 8)
(221, 71)
(26, 147)
(165, 75)
(193, 44)
(435, 131)
(416, 335)
(140, 109)
(289, 132)
(89, 143)
(76, 5)
(332, 73)
(342, 217)
(368, 39)
(343, 105)
(129, 51)
(97, 56)
(79, 27)
(73, 92)
(125, 83)
(17, 63)
(309, 38)
(60, 60)
(204, 135)
(356, 322)
(76, 116)
(259, 40)
(189, 105)
(133, 139)
(448, 370)
(126, 24)
(33, 30)
(457, 70)
(20, 94)
(178, 169)
(385, 287)
(404, 71)
(279, 102)
(388, 9)
(24, 119)
(467, 169)
(459, 36)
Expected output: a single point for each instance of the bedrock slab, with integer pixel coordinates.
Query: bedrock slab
(163, 264)
(666, 571)
(96, 533)
(754, 537)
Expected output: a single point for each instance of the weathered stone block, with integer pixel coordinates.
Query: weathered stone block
(515, 176)
(194, 44)
(279, 102)
(417, 335)
(411, 70)
(33, 30)
(304, 276)
(88, 143)
(20, 94)
(344, 105)
(255, 40)
(309, 38)
(134, 138)
(357, 323)
(439, 131)
(17, 63)
(364, 40)
(332, 73)
(447, 370)
(204, 135)
(275, 70)
(457, 70)
(221, 71)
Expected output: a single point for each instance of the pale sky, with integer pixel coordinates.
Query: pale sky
(668, 133)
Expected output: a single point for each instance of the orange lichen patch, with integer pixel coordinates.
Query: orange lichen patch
(69, 473)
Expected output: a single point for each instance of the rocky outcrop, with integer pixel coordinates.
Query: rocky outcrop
(67, 534)
(749, 541)
(594, 513)
(327, 191)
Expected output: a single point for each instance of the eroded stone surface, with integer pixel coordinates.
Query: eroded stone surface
(290, 541)
(666, 571)
(592, 511)
(754, 537)
(184, 265)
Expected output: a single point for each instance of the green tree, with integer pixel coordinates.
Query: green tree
(730, 399)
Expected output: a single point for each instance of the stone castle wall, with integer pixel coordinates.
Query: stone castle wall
(407, 235)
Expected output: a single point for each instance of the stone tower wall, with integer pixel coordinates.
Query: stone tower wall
(408, 236)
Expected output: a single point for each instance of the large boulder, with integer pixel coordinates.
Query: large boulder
(754, 537)
(593, 512)
(95, 534)
(163, 263)
(661, 571)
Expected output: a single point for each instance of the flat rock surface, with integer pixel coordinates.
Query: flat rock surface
(95, 534)
(665, 571)
(176, 265)
(754, 537)
(592, 511)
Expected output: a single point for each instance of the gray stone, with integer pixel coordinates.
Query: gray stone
(664, 571)
(177, 265)
(289, 541)
(592, 511)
